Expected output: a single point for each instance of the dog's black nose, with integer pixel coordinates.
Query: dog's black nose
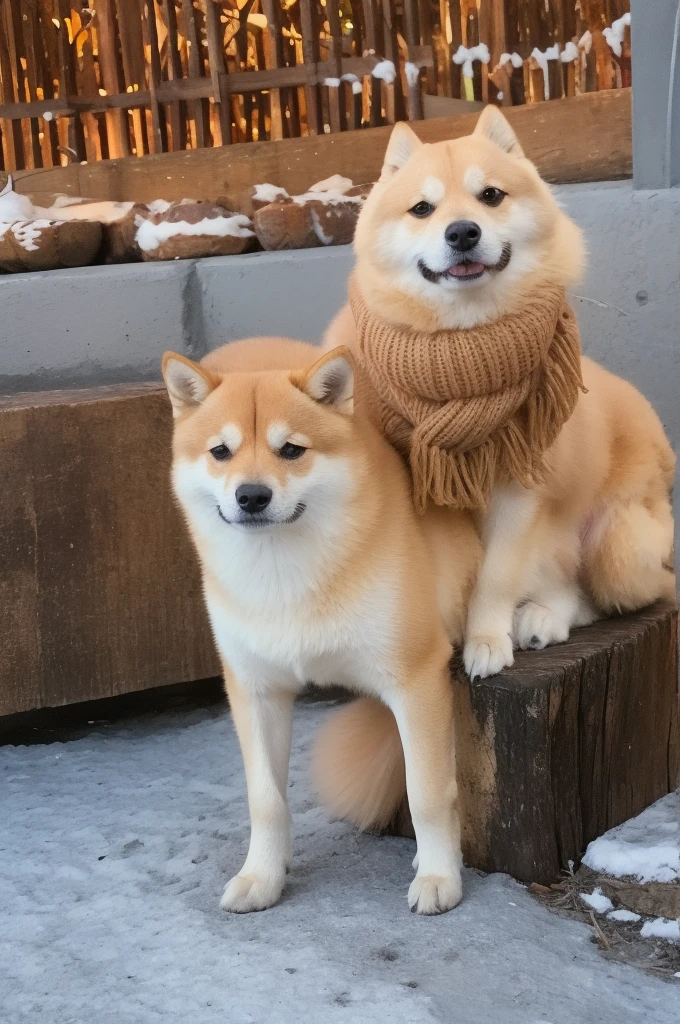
(463, 235)
(253, 497)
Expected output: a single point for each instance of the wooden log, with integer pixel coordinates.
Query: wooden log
(568, 743)
(585, 138)
(99, 587)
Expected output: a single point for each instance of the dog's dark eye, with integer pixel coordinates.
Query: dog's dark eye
(220, 452)
(291, 451)
(492, 196)
(422, 209)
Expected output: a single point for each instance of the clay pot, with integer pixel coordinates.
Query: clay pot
(49, 245)
(168, 236)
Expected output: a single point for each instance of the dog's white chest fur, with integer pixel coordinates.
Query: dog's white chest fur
(281, 626)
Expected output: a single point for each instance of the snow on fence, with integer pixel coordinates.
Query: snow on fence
(97, 79)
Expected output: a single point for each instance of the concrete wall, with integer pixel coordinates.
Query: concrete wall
(109, 324)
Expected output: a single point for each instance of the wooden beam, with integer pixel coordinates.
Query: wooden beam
(99, 587)
(584, 138)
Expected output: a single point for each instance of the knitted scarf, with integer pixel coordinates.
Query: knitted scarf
(473, 407)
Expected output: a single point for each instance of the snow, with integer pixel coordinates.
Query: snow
(661, 928)
(412, 72)
(115, 848)
(586, 41)
(332, 83)
(14, 206)
(514, 59)
(465, 55)
(385, 70)
(269, 193)
(597, 901)
(319, 231)
(149, 235)
(646, 847)
(26, 232)
(615, 34)
(106, 212)
(336, 183)
(357, 87)
(542, 57)
(569, 53)
(332, 196)
(158, 206)
(623, 915)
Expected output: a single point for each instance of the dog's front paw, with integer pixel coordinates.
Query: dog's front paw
(536, 627)
(245, 893)
(487, 655)
(435, 894)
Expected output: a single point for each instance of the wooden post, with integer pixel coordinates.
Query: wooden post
(273, 51)
(116, 120)
(130, 30)
(372, 46)
(159, 137)
(218, 67)
(310, 50)
(12, 138)
(455, 16)
(568, 743)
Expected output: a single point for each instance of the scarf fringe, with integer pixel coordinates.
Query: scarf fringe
(515, 452)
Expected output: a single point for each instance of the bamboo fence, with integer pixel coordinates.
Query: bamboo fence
(87, 80)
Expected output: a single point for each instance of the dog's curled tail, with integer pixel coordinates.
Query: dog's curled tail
(358, 764)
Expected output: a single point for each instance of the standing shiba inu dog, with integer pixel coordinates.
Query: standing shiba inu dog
(315, 567)
(464, 235)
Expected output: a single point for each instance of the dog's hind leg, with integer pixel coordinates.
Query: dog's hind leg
(264, 722)
(423, 708)
(628, 555)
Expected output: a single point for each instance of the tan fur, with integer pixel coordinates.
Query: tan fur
(343, 592)
(596, 538)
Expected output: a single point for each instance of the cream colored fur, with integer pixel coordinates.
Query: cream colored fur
(596, 538)
(336, 585)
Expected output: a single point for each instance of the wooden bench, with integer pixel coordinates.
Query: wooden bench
(100, 595)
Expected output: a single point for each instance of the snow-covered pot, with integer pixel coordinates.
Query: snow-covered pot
(43, 244)
(311, 220)
(190, 230)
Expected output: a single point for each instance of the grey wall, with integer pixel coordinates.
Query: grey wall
(108, 324)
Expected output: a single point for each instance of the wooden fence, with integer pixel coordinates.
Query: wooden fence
(98, 79)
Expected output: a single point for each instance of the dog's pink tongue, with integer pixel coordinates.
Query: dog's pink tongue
(465, 269)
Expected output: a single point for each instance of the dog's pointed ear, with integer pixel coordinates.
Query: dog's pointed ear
(188, 383)
(402, 145)
(330, 381)
(496, 128)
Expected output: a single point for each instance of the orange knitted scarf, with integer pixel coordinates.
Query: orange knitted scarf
(473, 407)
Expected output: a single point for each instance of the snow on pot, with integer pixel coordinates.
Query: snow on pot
(36, 239)
(190, 230)
(48, 245)
(325, 215)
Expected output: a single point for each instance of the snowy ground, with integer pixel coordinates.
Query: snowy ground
(114, 850)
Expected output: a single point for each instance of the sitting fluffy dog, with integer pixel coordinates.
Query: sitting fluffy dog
(472, 362)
